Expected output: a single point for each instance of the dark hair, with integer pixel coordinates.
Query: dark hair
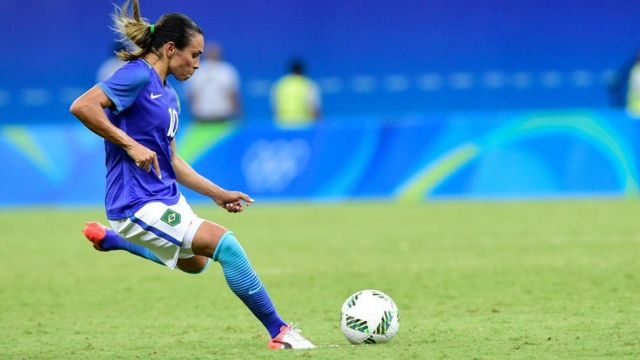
(143, 37)
(297, 66)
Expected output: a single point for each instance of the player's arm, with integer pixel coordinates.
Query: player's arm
(89, 109)
(315, 102)
(187, 176)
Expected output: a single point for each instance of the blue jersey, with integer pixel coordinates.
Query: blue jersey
(147, 110)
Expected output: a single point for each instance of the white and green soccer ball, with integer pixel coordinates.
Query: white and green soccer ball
(369, 317)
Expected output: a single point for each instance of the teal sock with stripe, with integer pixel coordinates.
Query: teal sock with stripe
(245, 283)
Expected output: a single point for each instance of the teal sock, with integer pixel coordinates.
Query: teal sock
(245, 283)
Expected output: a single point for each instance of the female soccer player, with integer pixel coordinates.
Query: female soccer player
(136, 112)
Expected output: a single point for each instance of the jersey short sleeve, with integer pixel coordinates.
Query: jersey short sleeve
(123, 86)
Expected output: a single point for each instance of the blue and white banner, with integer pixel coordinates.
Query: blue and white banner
(463, 155)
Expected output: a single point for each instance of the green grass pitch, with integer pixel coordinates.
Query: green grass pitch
(473, 280)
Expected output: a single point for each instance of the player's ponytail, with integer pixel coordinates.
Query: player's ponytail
(133, 31)
(142, 37)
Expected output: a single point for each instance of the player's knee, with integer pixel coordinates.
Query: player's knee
(228, 247)
(206, 238)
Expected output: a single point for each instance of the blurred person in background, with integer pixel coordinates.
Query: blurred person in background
(213, 92)
(633, 89)
(619, 83)
(295, 98)
(136, 112)
(214, 102)
(113, 63)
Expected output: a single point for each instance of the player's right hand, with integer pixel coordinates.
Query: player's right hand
(144, 158)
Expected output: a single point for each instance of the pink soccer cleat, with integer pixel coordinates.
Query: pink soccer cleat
(95, 232)
(290, 337)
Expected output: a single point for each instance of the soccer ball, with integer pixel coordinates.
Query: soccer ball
(369, 317)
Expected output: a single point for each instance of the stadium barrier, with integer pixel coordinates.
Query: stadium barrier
(410, 158)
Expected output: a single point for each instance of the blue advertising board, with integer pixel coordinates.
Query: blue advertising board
(454, 155)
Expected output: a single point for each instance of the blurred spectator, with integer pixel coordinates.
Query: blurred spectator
(213, 90)
(295, 98)
(110, 65)
(633, 89)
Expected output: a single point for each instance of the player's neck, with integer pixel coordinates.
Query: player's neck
(161, 66)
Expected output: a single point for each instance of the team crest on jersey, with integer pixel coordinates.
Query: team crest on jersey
(171, 217)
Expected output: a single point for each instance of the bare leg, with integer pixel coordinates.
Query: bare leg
(204, 244)
(193, 265)
(206, 239)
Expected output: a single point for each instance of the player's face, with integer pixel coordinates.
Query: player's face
(186, 61)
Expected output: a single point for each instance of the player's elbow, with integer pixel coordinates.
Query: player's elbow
(79, 107)
(76, 107)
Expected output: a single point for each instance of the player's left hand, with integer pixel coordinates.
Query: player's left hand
(233, 201)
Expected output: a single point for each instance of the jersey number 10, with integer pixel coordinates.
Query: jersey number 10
(173, 126)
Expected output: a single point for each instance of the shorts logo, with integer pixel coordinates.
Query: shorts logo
(171, 217)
